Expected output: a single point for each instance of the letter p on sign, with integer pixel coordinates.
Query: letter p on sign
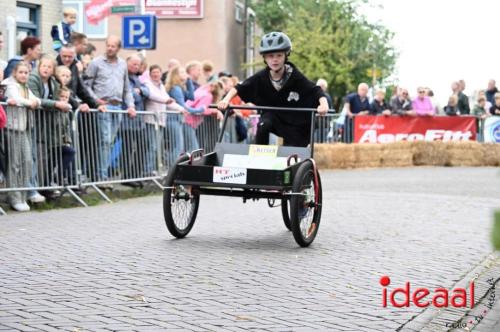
(137, 29)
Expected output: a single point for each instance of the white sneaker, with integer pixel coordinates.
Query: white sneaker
(21, 207)
(36, 198)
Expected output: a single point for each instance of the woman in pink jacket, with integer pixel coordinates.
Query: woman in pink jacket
(205, 95)
(422, 105)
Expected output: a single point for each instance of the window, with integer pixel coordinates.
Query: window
(239, 12)
(82, 25)
(27, 18)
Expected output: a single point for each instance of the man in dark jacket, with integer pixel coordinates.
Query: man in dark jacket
(463, 100)
(80, 97)
(280, 84)
(490, 93)
(401, 103)
(355, 103)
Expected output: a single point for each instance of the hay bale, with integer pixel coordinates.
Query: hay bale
(491, 154)
(335, 155)
(368, 155)
(404, 154)
(397, 154)
(464, 154)
(429, 153)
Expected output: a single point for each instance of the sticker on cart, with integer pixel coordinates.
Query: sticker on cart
(230, 175)
(263, 150)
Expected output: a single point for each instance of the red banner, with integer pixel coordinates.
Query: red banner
(386, 129)
(97, 10)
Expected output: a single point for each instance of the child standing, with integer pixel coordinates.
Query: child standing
(19, 121)
(66, 150)
(61, 33)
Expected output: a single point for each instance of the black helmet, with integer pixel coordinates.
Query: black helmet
(275, 42)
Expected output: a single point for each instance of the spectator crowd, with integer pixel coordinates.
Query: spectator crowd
(40, 94)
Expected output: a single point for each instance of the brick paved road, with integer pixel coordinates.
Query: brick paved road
(115, 267)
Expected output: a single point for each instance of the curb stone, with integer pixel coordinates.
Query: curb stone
(485, 275)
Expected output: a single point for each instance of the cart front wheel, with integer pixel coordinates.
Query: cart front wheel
(305, 205)
(180, 204)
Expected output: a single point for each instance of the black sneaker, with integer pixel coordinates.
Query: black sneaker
(105, 186)
(131, 184)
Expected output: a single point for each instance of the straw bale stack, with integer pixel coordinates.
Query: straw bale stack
(404, 154)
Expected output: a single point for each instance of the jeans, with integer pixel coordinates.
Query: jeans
(108, 125)
(20, 164)
(151, 163)
(190, 139)
(175, 138)
(33, 182)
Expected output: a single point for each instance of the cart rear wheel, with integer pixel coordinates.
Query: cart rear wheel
(180, 204)
(285, 208)
(305, 213)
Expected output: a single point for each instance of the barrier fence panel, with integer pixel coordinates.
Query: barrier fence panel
(37, 152)
(113, 147)
(181, 133)
(172, 139)
(208, 133)
(327, 129)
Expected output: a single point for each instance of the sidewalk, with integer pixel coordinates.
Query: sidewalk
(484, 317)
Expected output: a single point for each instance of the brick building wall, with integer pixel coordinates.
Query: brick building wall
(217, 37)
(49, 13)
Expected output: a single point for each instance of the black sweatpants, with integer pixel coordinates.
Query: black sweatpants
(292, 135)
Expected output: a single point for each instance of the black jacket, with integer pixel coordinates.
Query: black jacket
(376, 108)
(298, 91)
(463, 103)
(79, 92)
(452, 110)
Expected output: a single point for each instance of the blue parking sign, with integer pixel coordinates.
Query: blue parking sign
(139, 32)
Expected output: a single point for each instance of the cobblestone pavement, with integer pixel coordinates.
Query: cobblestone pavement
(115, 267)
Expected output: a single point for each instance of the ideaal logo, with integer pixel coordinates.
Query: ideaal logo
(423, 297)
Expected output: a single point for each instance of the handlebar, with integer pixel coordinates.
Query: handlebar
(271, 108)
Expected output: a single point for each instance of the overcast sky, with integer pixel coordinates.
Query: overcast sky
(442, 40)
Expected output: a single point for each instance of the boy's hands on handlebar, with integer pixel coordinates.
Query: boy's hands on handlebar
(222, 105)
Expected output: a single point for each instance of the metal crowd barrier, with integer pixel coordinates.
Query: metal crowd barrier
(114, 148)
(49, 151)
(36, 153)
(178, 136)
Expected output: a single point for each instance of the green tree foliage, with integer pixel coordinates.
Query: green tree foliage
(330, 40)
(495, 233)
